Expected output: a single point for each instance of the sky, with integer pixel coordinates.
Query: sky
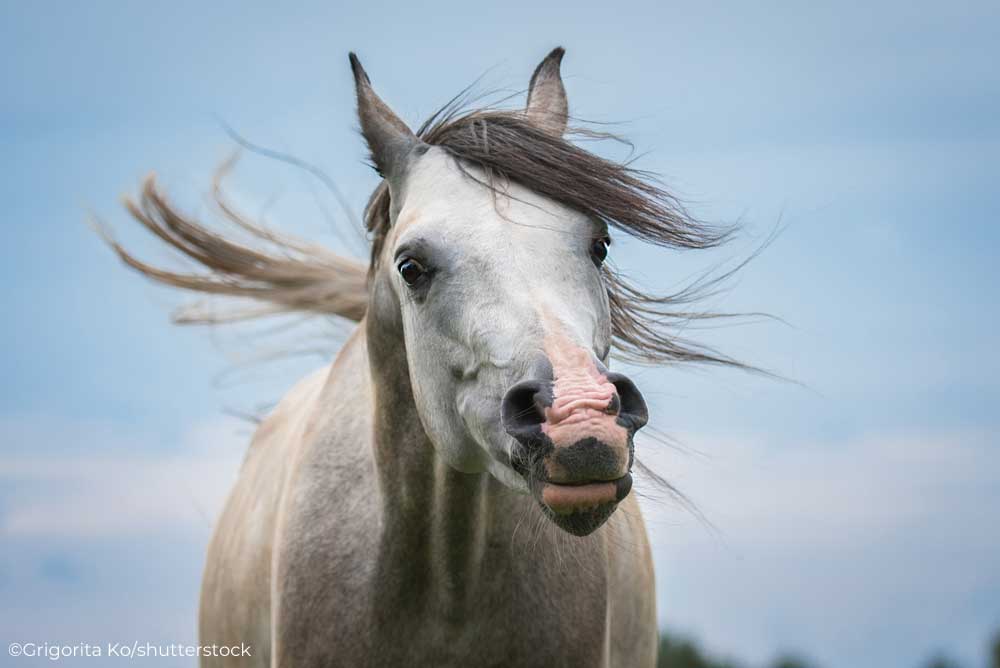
(851, 515)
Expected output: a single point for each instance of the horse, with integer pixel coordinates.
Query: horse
(455, 488)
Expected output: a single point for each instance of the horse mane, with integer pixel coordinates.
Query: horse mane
(505, 146)
(284, 274)
(277, 273)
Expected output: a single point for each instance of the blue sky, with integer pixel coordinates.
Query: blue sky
(855, 516)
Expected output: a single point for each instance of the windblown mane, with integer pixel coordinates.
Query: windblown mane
(507, 147)
(287, 274)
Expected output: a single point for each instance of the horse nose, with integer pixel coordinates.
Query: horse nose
(575, 432)
(523, 409)
(524, 405)
(633, 409)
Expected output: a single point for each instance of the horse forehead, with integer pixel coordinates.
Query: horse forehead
(453, 200)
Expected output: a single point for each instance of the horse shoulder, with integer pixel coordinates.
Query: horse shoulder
(328, 524)
(236, 588)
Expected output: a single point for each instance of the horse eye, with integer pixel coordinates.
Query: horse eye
(411, 271)
(599, 250)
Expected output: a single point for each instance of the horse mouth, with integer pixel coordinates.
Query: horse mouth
(581, 508)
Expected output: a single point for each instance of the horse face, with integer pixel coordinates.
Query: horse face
(507, 330)
(505, 319)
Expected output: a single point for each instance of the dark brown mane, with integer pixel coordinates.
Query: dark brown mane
(507, 147)
(292, 275)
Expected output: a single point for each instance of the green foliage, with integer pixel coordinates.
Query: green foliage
(791, 662)
(941, 661)
(680, 652)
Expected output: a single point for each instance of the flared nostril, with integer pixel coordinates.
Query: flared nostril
(523, 407)
(632, 407)
(614, 406)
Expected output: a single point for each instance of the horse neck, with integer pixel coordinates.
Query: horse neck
(435, 520)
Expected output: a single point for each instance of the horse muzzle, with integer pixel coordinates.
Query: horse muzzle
(574, 443)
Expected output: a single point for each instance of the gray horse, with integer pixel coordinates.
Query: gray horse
(454, 489)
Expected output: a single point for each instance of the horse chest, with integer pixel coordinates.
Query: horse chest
(510, 611)
(499, 623)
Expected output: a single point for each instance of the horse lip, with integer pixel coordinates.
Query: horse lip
(597, 480)
(569, 498)
(580, 509)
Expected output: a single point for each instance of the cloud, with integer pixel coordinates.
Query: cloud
(866, 551)
(105, 526)
(125, 483)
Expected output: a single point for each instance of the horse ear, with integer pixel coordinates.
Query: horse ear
(389, 139)
(547, 106)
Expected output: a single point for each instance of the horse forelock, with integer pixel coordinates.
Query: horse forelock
(493, 147)
(282, 274)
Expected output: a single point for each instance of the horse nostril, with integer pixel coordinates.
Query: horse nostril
(523, 407)
(614, 406)
(632, 407)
